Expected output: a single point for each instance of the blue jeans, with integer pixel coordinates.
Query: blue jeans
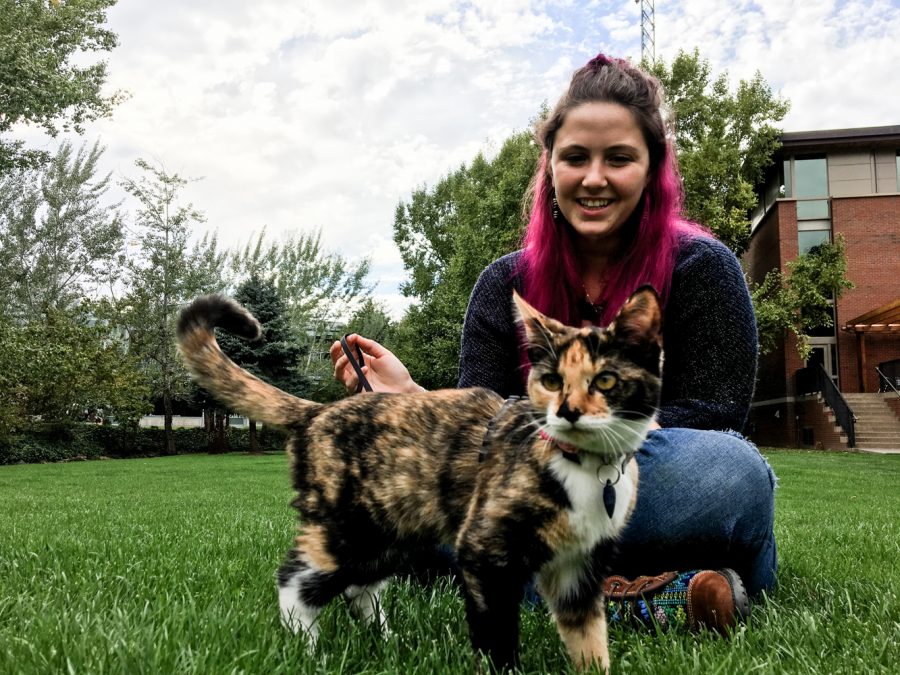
(705, 500)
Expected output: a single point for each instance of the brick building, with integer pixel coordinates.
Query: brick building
(824, 184)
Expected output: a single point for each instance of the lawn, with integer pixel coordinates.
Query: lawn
(167, 566)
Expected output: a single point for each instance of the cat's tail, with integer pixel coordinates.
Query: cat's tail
(215, 372)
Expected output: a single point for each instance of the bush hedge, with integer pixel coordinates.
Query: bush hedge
(56, 443)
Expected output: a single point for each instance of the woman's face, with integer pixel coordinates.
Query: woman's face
(599, 166)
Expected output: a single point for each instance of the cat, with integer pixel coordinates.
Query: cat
(531, 486)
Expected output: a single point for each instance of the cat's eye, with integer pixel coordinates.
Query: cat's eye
(605, 381)
(551, 382)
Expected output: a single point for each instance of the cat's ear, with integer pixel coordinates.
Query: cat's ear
(539, 329)
(640, 319)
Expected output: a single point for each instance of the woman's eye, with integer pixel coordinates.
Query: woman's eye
(605, 381)
(551, 382)
(619, 160)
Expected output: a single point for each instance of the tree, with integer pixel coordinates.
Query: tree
(62, 366)
(373, 321)
(318, 289)
(447, 235)
(44, 77)
(165, 274)
(275, 356)
(725, 140)
(59, 239)
(801, 300)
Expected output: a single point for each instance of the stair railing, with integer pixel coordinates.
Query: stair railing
(814, 379)
(888, 374)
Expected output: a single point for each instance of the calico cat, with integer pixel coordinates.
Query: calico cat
(535, 485)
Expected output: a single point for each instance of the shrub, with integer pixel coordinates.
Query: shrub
(58, 442)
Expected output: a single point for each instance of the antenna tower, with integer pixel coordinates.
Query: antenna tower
(648, 30)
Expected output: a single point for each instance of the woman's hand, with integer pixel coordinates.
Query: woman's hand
(382, 369)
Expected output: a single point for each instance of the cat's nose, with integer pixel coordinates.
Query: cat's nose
(567, 413)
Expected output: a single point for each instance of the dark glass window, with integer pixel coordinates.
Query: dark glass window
(809, 239)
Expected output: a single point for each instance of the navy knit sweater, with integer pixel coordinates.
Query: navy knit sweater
(709, 335)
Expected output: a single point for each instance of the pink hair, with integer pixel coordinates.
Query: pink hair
(549, 266)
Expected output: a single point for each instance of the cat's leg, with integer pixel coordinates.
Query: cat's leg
(577, 605)
(296, 615)
(365, 604)
(303, 590)
(493, 592)
(585, 638)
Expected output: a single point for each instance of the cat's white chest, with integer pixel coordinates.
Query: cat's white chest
(589, 521)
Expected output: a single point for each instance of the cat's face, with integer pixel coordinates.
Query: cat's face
(598, 388)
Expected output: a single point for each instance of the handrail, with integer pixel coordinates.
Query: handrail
(893, 368)
(814, 378)
(884, 378)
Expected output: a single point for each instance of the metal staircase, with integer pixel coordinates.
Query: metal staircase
(877, 427)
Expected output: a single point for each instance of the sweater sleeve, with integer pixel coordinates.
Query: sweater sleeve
(488, 352)
(710, 341)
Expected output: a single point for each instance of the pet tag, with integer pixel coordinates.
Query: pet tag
(609, 476)
(609, 498)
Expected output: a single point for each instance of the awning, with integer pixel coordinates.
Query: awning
(885, 319)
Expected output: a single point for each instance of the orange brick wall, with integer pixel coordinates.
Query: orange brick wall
(782, 424)
(871, 229)
(813, 413)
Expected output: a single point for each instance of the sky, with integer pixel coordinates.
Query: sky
(324, 114)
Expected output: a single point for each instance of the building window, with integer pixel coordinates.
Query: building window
(809, 239)
(813, 207)
(811, 177)
(898, 171)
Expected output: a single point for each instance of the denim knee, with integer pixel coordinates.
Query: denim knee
(704, 498)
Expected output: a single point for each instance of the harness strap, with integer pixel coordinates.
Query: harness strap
(485, 441)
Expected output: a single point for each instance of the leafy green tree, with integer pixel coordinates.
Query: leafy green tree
(58, 237)
(725, 138)
(318, 289)
(275, 356)
(45, 77)
(314, 284)
(373, 321)
(800, 301)
(447, 235)
(63, 366)
(165, 273)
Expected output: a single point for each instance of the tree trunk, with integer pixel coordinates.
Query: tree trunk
(167, 422)
(219, 442)
(254, 441)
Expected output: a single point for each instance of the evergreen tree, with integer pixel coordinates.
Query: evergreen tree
(275, 356)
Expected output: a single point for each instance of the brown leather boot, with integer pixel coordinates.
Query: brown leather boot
(715, 599)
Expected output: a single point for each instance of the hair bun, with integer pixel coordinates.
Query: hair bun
(599, 61)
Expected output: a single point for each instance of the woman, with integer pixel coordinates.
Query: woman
(605, 219)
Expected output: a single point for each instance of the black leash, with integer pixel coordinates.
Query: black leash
(362, 382)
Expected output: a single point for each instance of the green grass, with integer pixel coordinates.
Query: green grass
(167, 566)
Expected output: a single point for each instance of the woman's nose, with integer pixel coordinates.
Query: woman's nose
(595, 175)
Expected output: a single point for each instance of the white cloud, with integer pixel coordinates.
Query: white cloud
(325, 114)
